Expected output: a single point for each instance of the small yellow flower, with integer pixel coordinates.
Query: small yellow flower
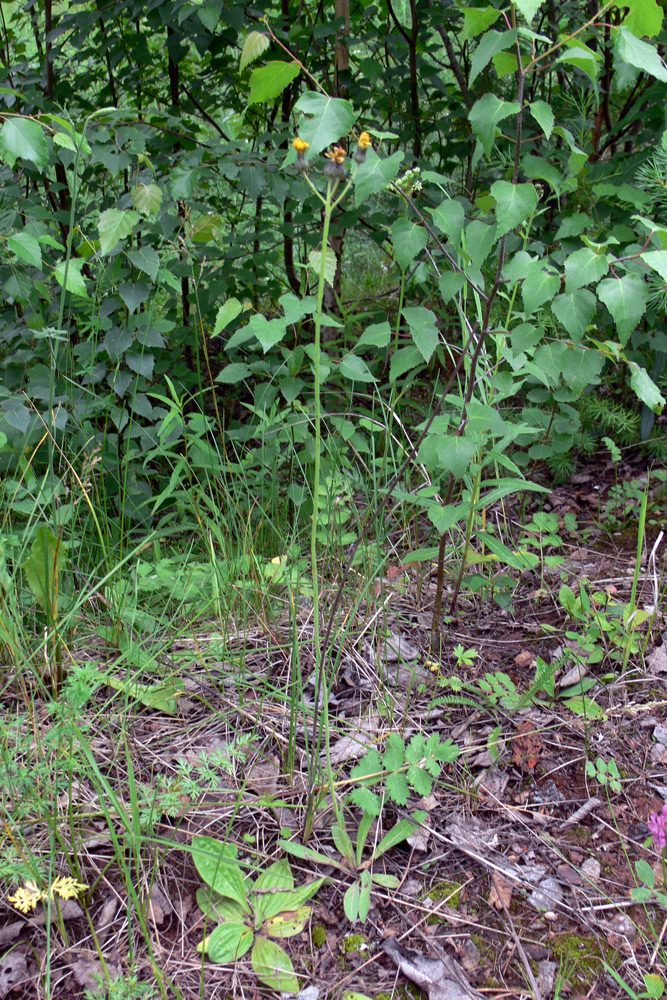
(364, 141)
(301, 146)
(337, 154)
(26, 898)
(67, 888)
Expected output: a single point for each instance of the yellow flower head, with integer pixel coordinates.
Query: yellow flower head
(337, 154)
(300, 145)
(26, 898)
(364, 141)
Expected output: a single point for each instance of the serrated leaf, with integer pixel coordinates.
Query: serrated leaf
(70, 278)
(657, 259)
(326, 120)
(268, 82)
(449, 217)
(147, 260)
(355, 368)
(625, 298)
(133, 294)
(330, 264)
(408, 239)
(476, 20)
(582, 58)
(147, 198)
(255, 45)
(529, 8)
(273, 966)
(398, 788)
(227, 312)
(643, 18)
(485, 115)
(26, 247)
(583, 267)
(645, 388)
(367, 801)
(489, 45)
(543, 115)
(375, 174)
(423, 329)
(538, 289)
(227, 943)
(23, 138)
(114, 225)
(514, 204)
(575, 310)
(377, 335)
(234, 373)
(640, 54)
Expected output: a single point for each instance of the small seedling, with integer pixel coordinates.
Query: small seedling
(604, 772)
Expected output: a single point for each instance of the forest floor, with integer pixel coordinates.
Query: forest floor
(518, 884)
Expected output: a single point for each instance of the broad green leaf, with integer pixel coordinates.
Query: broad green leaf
(449, 218)
(330, 264)
(645, 388)
(216, 864)
(268, 82)
(408, 239)
(539, 288)
(444, 518)
(423, 328)
(219, 908)
(295, 308)
(643, 18)
(207, 229)
(485, 115)
(476, 20)
(491, 43)
(572, 225)
(536, 167)
(273, 966)
(227, 312)
(147, 260)
(327, 119)
(26, 247)
(514, 204)
(158, 697)
(233, 374)
(147, 198)
(268, 332)
(70, 278)
(254, 46)
(585, 707)
(375, 174)
(227, 943)
(447, 451)
(582, 58)
(657, 259)
(23, 138)
(577, 156)
(577, 367)
(575, 311)
(640, 54)
(583, 267)
(377, 335)
(504, 63)
(133, 294)
(209, 15)
(114, 225)
(402, 361)
(528, 8)
(543, 115)
(626, 299)
(355, 368)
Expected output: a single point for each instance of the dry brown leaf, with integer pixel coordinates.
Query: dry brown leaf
(501, 892)
(13, 972)
(525, 658)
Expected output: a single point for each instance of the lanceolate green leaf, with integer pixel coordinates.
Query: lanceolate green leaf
(23, 138)
(268, 82)
(543, 115)
(327, 119)
(645, 388)
(626, 299)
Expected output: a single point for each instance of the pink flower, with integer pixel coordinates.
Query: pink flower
(658, 827)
